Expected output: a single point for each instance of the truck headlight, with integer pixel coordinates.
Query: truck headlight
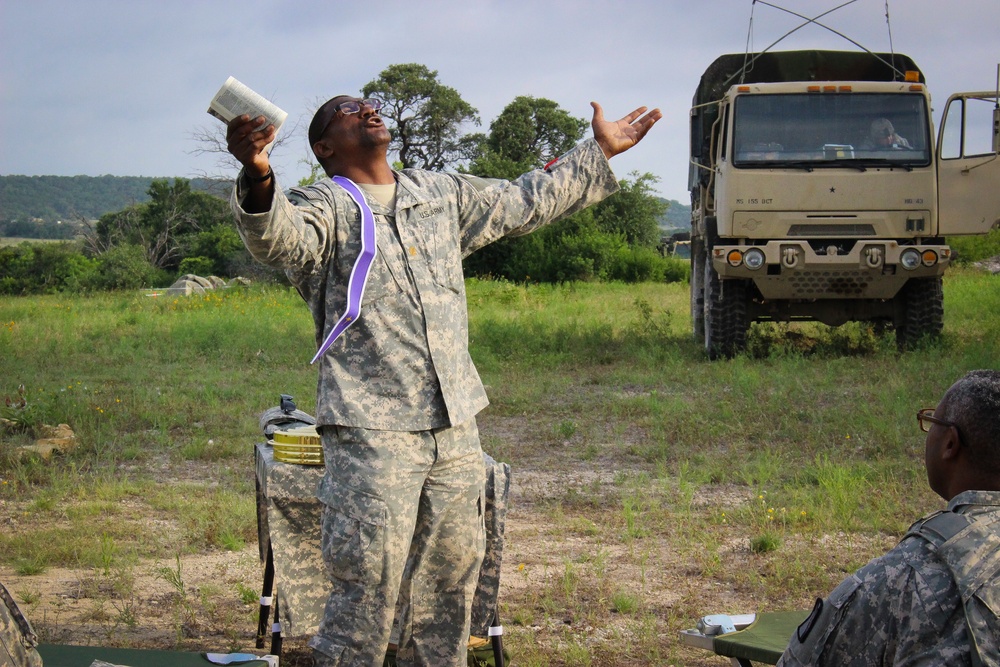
(910, 259)
(754, 258)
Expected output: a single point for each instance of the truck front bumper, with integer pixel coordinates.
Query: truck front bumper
(872, 269)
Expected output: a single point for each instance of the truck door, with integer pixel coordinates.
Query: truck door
(968, 162)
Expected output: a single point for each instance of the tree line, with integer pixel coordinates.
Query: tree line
(177, 231)
(33, 206)
(181, 230)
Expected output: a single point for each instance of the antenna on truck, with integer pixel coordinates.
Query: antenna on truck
(746, 49)
(888, 26)
(747, 66)
(807, 21)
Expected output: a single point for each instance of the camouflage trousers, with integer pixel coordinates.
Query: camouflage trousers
(402, 520)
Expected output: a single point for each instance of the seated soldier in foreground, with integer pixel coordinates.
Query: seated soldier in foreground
(934, 598)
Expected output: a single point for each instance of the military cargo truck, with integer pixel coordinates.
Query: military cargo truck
(820, 192)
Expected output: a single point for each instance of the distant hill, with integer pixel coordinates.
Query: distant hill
(68, 198)
(48, 199)
(678, 216)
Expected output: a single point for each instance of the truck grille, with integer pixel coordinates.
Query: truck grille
(828, 229)
(813, 284)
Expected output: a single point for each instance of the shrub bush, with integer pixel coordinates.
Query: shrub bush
(969, 249)
(199, 266)
(45, 268)
(220, 245)
(637, 264)
(676, 270)
(574, 251)
(125, 267)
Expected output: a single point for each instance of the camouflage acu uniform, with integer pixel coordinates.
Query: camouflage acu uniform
(903, 608)
(18, 640)
(398, 393)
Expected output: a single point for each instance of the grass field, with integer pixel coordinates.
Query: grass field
(650, 486)
(17, 240)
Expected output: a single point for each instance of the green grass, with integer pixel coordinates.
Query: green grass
(17, 240)
(742, 470)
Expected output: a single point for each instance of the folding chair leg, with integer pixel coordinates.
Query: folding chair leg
(265, 598)
(276, 629)
(496, 638)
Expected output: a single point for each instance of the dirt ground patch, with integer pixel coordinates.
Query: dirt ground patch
(569, 580)
(602, 565)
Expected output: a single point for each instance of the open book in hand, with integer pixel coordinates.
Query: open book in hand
(235, 99)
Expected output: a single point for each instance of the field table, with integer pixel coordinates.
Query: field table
(289, 532)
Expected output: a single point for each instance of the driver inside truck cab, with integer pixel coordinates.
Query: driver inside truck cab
(882, 136)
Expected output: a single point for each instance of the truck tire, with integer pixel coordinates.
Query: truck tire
(698, 289)
(921, 313)
(726, 320)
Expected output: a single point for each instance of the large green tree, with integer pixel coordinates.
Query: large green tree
(167, 226)
(425, 117)
(527, 134)
(613, 240)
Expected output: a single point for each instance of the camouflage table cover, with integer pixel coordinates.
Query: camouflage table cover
(288, 519)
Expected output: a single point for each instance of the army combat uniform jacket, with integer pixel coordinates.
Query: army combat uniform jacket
(903, 608)
(405, 365)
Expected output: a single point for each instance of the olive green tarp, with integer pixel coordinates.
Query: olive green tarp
(807, 65)
(64, 655)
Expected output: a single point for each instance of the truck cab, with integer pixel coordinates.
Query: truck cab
(818, 193)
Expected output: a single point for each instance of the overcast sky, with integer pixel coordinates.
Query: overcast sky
(98, 87)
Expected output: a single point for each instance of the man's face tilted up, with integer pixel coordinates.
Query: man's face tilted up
(351, 125)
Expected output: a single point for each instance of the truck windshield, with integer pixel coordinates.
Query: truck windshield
(816, 130)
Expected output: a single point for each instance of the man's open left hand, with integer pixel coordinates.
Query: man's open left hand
(616, 137)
